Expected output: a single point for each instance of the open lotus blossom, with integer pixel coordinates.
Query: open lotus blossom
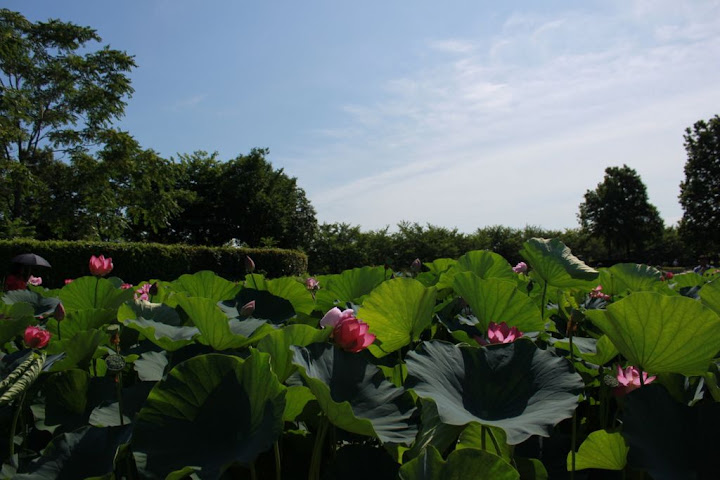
(598, 293)
(126, 286)
(36, 281)
(500, 333)
(349, 333)
(143, 293)
(520, 268)
(36, 337)
(100, 266)
(629, 379)
(312, 284)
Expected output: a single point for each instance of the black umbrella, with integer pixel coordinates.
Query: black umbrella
(30, 259)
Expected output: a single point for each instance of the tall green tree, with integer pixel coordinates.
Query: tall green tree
(618, 211)
(700, 191)
(57, 94)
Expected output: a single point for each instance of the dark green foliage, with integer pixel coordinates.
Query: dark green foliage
(700, 191)
(134, 262)
(618, 211)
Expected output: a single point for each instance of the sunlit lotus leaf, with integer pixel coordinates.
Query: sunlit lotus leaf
(14, 319)
(599, 351)
(601, 449)
(87, 452)
(278, 342)
(294, 291)
(514, 386)
(79, 320)
(159, 323)
(215, 328)
(206, 284)
(553, 262)
(460, 465)
(486, 264)
(660, 333)
(348, 286)
(495, 300)
(651, 417)
(81, 294)
(297, 397)
(472, 437)
(440, 265)
(210, 412)
(397, 312)
(629, 277)
(710, 295)
(42, 305)
(354, 394)
(686, 279)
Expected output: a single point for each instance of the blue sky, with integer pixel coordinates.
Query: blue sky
(459, 113)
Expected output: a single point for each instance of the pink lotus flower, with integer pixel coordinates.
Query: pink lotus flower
(143, 293)
(100, 266)
(247, 309)
(597, 293)
(126, 286)
(36, 337)
(500, 333)
(520, 268)
(312, 284)
(349, 333)
(35, 281)
(629, 380)
(69, 280)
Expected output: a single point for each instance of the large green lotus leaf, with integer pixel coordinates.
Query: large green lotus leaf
(297, 397)
(210, 412)
(554, 263)
(433, 432)
(355, 395)
(514, 386)
(80, 320)
(107, 413)
(710, 295)
(495, 300)
(151, 366)
(278, 342)
(159, 323)
(81, 294)
(42, 305)
(348, 286)
(687, 279)
(633, 277)
(87, 452)
(486, 264)
(294, 291)
(213, 324)
(272, 308)
(397, 312)
(601, 449)
(14, 319)
(660, 333)
(599, 351)
(206, 284)
(670, 440)
(68, 390)
(79, 349)
(440, 265)
(464, 464)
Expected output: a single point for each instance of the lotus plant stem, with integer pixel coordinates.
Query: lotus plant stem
(119, 397)
(573, 441)
(317, 450)
(253, 475)
(252, 277)
(59, 336)
(400, 364)
(16, 415)
(494, 441)
(542, 302)
(97, 282)
(278, 465)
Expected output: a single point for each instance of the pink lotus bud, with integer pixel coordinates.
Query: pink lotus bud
(629, 380)
(69, 280)
(247, 309)
(520, 268)
(334, 316)
(59, 312)
(249, 264)
(100, 266)
(312, 284)
(416, 265)
(500, 333)
(36, 337)
(35, 281)
(352, 335)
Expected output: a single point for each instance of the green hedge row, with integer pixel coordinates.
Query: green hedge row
(135, 262)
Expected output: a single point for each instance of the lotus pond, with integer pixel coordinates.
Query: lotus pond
(466, 368)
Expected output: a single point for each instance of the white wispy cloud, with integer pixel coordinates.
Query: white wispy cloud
(189, 102)
(513, 129)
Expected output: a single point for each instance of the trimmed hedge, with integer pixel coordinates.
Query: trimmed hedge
(135, 262)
